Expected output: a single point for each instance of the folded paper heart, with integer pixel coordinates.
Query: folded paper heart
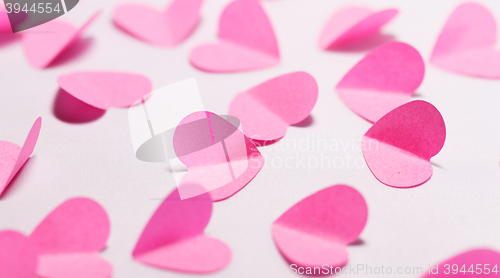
(13, 157)
(173, 238)
(247, 41)
(317, 230)
(352, 24)
(217, 155)
(44, 43)
(105, 89)
(386, 78)
(266, 110)
(65, 244)
(167, 28)
(467, 42)
(399, 146)
(475, 262)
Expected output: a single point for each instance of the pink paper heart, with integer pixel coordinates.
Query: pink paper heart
(316, 230)
(13, 157)
(466, 44)
(46, 42)
(353, 23)
(483, 261)
(18, 255)
(165, 28)
(70, 238)
(217, 155)
(105, 89)
(386, 78)
(399, 146)
(266, 110)
(247, 41)
(173, 238)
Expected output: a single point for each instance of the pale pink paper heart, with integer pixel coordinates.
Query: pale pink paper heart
(317, 230)
(399, 146)
(386, 78)
(18, 255)
(44, 43)
(167, 27)
(13, 157)
(266, 110)
(467, 42)
(217, 154)
(173, 238)
(484, 263)
(247, 41)
(351, 24)
(105, 89)
(69, 240)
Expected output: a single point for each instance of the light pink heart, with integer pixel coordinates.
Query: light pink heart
(467, 42)
(484, 262)
(18, 255)
(353, 23)
(317, 230)
(266, 110)
(13, 157)
(44, 43)
(247, 41)
(105, 89)
(386, 78)
(167, 27)
(399, 146)
(173, 238)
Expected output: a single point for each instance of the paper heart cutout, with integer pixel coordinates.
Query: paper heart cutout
(13, 157)
(353, 23)
(18, 255)
(267, 109)
(477, 258)
(386, 78)
(466, 44)
(105, 89)
(165, 28)
(317, 230)
(399, 146)
(65, 244)
(173, 238)
(217, 154)
(70, 238)
(247, 41)
(44, 43)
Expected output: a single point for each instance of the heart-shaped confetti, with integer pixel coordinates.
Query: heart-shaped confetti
(475, 262)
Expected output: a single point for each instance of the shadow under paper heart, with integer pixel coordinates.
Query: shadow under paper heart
(69, 109)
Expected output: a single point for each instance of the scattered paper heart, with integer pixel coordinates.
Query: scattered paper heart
(399, 146)
(247, 41)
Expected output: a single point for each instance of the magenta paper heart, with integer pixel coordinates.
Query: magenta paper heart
(317, 230)
(473, 263)
(386, 78)
(105, 89)
(13, 157)
(217, 154)
(167, 28)
(65, 244)
(467, 43)
(18, 255)
(70, 238)
(353, 23)
(46, 42)
(247, 41)
(266, 110)
(399, 146)
(173, 238)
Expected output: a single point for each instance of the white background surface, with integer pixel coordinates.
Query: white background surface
(457, 209)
